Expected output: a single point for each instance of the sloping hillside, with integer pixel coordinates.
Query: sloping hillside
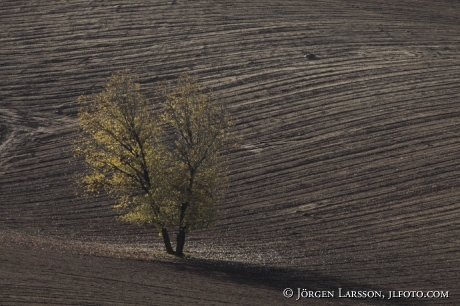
(347, 176)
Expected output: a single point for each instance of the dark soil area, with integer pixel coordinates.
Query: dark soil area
(348, 174)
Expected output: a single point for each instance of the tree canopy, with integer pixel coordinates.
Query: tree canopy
(163, 168)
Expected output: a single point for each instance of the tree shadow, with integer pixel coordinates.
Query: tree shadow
(277, 278)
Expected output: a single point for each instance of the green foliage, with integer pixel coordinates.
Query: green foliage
(159, 179)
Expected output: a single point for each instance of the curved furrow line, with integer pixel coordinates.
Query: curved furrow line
(383, 91)
(377, 150)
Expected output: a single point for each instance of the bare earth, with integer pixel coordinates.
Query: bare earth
(348, 175)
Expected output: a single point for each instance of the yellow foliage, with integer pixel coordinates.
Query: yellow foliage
(156, 182)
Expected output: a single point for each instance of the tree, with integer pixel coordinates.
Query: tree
(163, 179)
(200, 125)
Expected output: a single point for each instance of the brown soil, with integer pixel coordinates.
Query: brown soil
(347, 176)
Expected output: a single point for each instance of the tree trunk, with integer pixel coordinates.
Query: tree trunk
(180, 242)
(181, 234)
(169, 249)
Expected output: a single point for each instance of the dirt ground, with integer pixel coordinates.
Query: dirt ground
(347, 176)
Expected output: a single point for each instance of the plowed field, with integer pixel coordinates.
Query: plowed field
(348, 173)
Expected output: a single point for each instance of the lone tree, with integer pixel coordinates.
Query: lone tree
(164, 168)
